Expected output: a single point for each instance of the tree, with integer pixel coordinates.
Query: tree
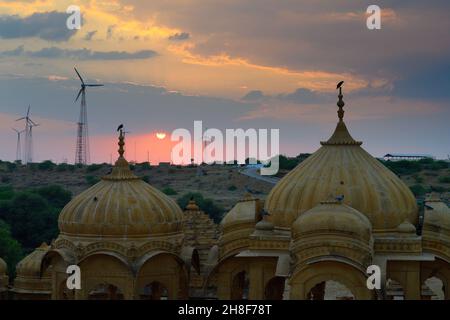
(10, 249)
(213, 210)
(55, 195)
(31, 218)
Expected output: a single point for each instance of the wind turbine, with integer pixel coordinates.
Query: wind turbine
(82, 147)
(29, 124)
(18, 148)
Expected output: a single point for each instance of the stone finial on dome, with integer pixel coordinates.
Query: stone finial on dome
(341, 136)
(121, 169)
(192, 205)
(340, 102)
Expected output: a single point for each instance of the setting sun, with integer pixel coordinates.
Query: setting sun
(160, 135)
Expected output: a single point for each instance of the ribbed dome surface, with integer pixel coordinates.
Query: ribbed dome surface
(244, 212)
(332, 218)
(342, 167)
(120, 205)
(30, 266)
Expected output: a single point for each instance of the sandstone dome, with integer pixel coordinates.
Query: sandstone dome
(121, 205)
(332, 217)
(342, 167)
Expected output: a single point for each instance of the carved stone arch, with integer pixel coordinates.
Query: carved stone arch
(308, 276)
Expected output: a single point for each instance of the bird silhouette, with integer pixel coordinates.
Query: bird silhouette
(339, 84)
(120, 127)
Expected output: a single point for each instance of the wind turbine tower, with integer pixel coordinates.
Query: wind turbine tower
(82, 147)
(29, 124)
(18, 147)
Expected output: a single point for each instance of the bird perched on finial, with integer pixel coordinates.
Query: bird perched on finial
(120, 127)
(339, 85)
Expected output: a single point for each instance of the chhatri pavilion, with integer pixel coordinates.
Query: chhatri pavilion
(314, 236)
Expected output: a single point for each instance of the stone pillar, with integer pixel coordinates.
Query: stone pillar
(412, 283)
(297, 291)
(256, 278)
(223, 286)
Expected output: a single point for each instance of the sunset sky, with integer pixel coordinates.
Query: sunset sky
(231, 64)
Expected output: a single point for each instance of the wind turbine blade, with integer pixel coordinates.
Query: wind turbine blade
(79, 76)
(79, 93)
(15, 130)
(28, 111)
(94, 85)
(32, 122)
(20, 119)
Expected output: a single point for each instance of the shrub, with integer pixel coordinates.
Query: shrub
(6, 179)
(93, 167)
(444, 179)
(418, 178)
(418, 190)
(10, 249)
(56, 196)
(146, 179)
(232, 188)
(145, 166)
(213, 210)
(438, 189)
(46, 165)
(169, 191)
(6, 192)
(91, 180)
(11, 166)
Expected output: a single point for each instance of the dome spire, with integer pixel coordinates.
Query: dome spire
(121, 142)
(340, 102)
(121, 169)
(341, 136)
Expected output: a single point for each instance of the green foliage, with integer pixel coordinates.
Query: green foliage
(214, 211)
(91, 180)
(287, 163)
(418, 178)
(232, 188)
(6, 179)
(31, 218)
(93, 167)
(444, 179)
(403, 167)
(46, 165)
(11, 166)
(65, 167)
(169, 191)
(145, 166)
(6, 192)
(146, 179)
(56, 196)
(438, 189)
(10, 249)
(418, 190)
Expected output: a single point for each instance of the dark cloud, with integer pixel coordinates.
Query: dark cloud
(79, 54)
(90, 35)
(304, 96)
(299, 96)
(253, 96)
(179, 36)
(47, 25)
